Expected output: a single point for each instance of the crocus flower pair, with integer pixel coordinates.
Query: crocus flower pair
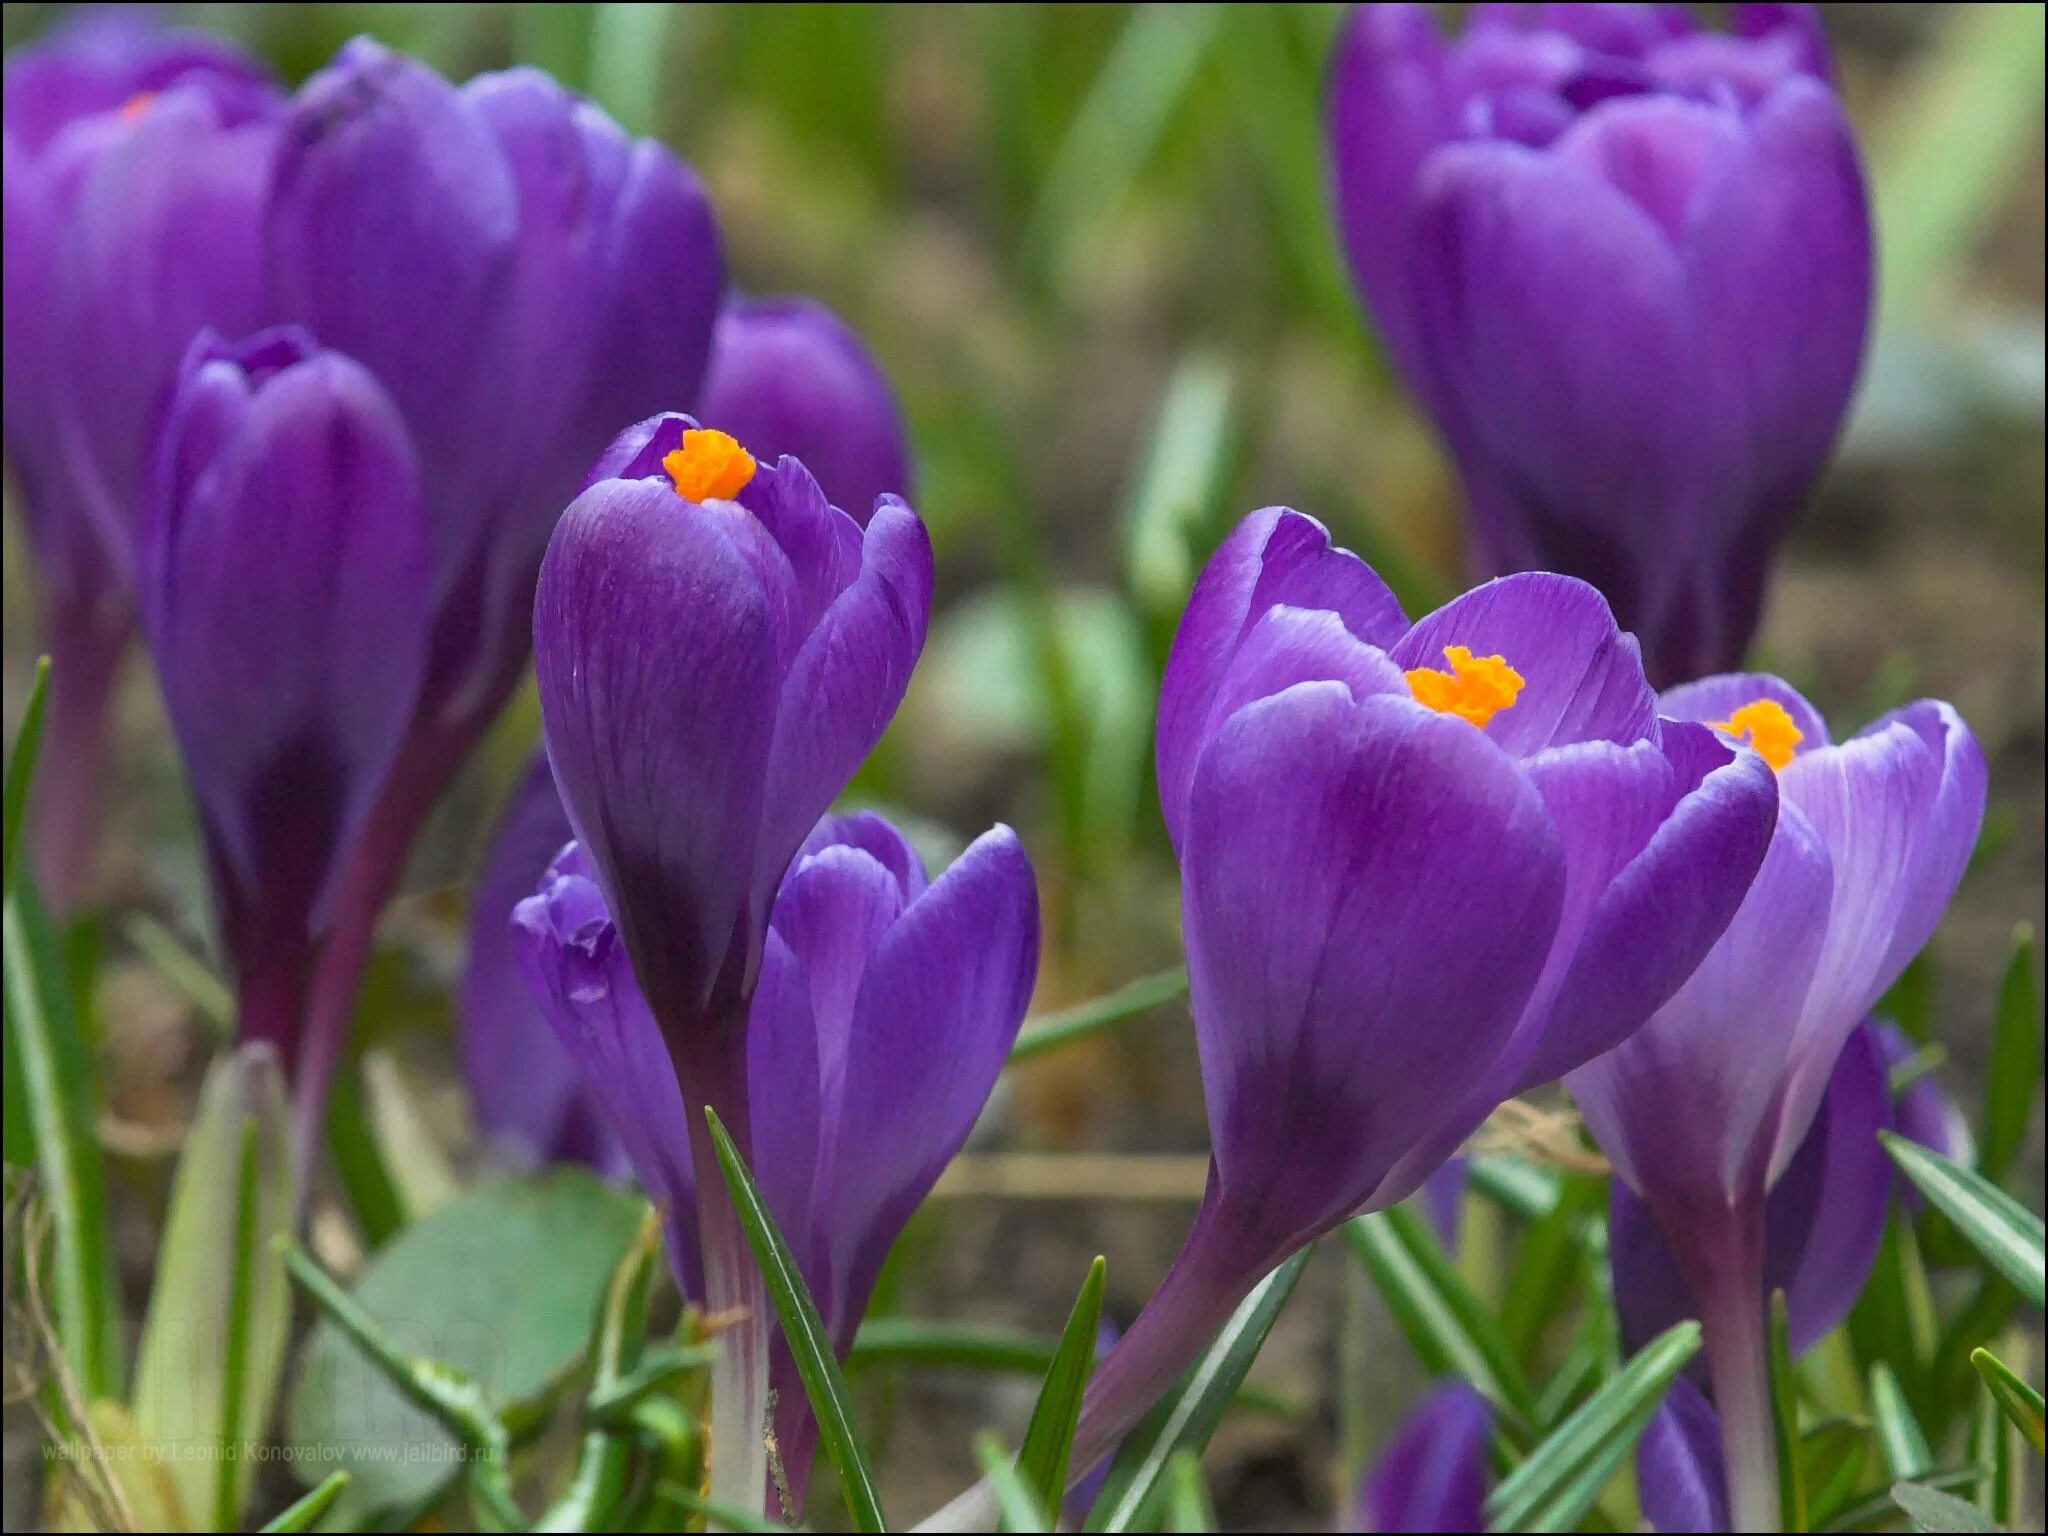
(135, 162)
(1625, 264)
(1703, 1111)
(1424, 866)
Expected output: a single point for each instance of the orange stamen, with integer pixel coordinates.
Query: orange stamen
(1766, 726)
(136, 105)
(709, 466)
(1476, 688)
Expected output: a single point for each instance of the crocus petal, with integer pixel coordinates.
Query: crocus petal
(1924, 1112)
(1948, 832)
(1680, 1476)
(874, 836)
(1659, 151)
(1433, 1476)
(654, 651)
(784, 1047)
(787, 376)
(1275, 556)
(1350, 867)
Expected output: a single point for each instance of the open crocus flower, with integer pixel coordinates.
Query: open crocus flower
(717, 648)
(1568, 199)
(1873, 835)
(1422, 868)
(789, 376)
(1823, 1221)
(281, 580)
(135, 160)
(886, 1008)
(1433, 1475)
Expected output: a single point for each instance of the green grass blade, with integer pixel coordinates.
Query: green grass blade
(2015, 1068)
(50, 1067)
(21, 769)
(720, 1517)
(885, 1341)
(804, 1332)
(2005, 1233)
(1017, 1505)
(1188, 1507)
(306, 1513)
(1049, 1438)
(1187, 1416)
(1126, 1002)
(1179, 489)
(1879, 1512)
(2016, 1400)
(1563, 1476)
(1899, 1436)
(1831, 1458)
(1793, 1508)
(1449, 1328)
(1932, 1510)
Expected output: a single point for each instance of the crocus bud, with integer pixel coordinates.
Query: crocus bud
(580, 269)
(532, 1104)
(789, 376)
(1681, 1476)
(1569, 201)
(1701, 1110)
(1823, 1221)
(282, 562)
(134, 165)
(886, 1008)
(1422, 867)
(1433, 1476)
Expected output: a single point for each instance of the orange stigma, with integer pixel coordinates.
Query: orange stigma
(710, 466)
(136, 105)
(1476, 688)
(1765, 726)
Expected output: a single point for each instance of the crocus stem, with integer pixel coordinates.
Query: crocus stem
(1728, 1279)
(85, 661)
(735, 1299)
(270, 1002)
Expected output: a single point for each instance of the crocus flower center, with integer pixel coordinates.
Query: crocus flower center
(1476, 688)
(1766, 726)
(136, 105)
(710, 466)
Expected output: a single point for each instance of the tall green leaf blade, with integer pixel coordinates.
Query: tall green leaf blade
(2016, 1400)
(1562, 1477)
(1018, 1506)
(213, 1341)
(1188, 1507)
(306, 1512)
(48, 1061)
(21, 770)
(1831, 1457)
(1899, 1435)
(2015, 1069)
(1049, 1438)
(1187, 1416)
(804, 1332)
(2005, 1233)
(1179, 489)
(1126, 1002)
(1793, 1508)
(1449, 1328)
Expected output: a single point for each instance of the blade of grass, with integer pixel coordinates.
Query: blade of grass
(804, 1332)
(1188, 1507)
(1879, 1511)
(1126, 1002)
(306, 1513)
(1899, 1436)
(21, 769)
(2005, 1233)
(184, 970)
(2016, 1400)
(1049, 1438)
(1793, 1509)
(1018, 1508)
(2015, 1068)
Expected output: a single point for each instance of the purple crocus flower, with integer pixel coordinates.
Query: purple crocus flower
(1924, 1112)
(281, 580)
(717, 648)
(1681, 1477)
(789, 376)
(1433, 1475)
(886, 1007)
(1569, 200)
(580, 273)
(1423, 867)
(1823, 1221)
(134, 168)
(1872, 838)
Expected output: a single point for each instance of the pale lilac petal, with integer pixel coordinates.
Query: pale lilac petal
(1680, 1476)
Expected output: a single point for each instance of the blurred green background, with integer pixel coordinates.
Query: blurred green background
(1090, 245)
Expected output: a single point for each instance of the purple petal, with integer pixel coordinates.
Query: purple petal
(1275, 556)
(874, 836)
(1680, 1476)
(1433, 1476)
(1582, 677)
(1948, 830)
(101, 60)
(787, 376)
(1924, 1112)
(1349, 869)
(1661, 153)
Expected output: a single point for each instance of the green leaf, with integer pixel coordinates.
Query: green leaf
(1793, 1508)
(21, 769)
(1449, 1328)
(2016, 1400)
(884, 1341)
(500, 1283)
(1548, 1260)
(2005, 1233)
(306, 1513)
(1932, 1510)
(1053, 1030)
(804, 1332)
(49, 1065)
(366, 1182)
(1831, 1457)
(720, 1517)
(1878, 1511)
(2014, 1071)
(1018, 1507)
(1899, 1435)
(1187, 1416)
(1188, 1507)
(1558, 1483)
(1179, 490)
(1049, 1438)
(213, 1343)
(185, 970)
(1518, 1186)
(628, 54)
